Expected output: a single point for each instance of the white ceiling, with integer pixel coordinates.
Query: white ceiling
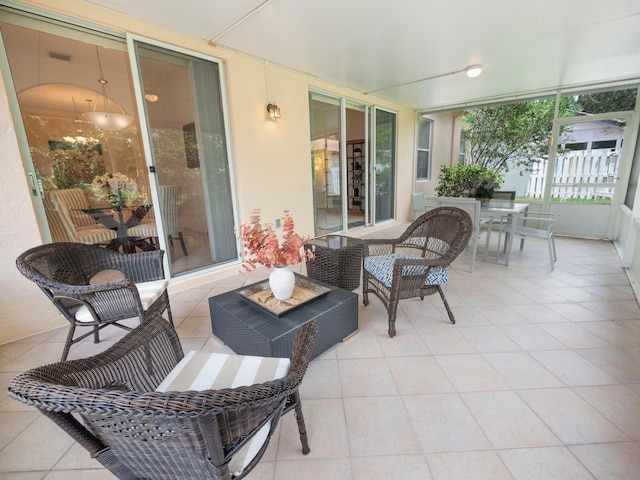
(527, 47)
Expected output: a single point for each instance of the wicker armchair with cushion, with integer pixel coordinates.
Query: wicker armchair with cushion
(415, 264)
(95, 287)
(137, 410)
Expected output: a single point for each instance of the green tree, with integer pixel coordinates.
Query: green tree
(513, 135)
(604, 102)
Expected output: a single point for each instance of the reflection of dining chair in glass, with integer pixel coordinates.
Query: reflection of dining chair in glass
(480, 224)
(171, 208)
(96, 287)
(144, 409)
(75, 200)
(62, 227)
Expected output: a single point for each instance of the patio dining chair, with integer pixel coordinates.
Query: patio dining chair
(535, 225)
(415, 264)
(143, 409)
(96, 287)
(480, 224)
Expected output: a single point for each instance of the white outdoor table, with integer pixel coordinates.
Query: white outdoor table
(510, 210)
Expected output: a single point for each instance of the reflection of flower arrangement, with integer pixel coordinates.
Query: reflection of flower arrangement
(262, 245)
(118, 189)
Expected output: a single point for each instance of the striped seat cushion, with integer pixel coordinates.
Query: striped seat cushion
(213, 371)
(381, 267)
(149, 292)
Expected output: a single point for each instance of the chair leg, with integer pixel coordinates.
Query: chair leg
(302, 429)
(68, 342)
(552, 252)
(446, 304)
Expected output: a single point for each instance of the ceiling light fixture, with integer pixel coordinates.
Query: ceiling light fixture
(151, 97)
(106, 120)
(472, 71)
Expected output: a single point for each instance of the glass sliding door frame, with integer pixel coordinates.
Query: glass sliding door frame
(336, 154)
(383, 164)
(222, 244)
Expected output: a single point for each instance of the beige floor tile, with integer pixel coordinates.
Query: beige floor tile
(379, 426)
(548, 463)
(326, 429)
(322, 380)
(571, 368)
(573, 335)
(538, 313)
(570, 417)
(507, 421)
(610, 461)
(521, 370)
(19, 455)
(316, 468)
(471, 373)
(444, 424)
(403, 345)
(623, 367)
(617, 404)
(489, 339)
(445, 340)
(485, 465)
(531, 337)
(366, 377)
(419, 375)
(406, 467)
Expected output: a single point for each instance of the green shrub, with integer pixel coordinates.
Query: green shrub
(472, 181)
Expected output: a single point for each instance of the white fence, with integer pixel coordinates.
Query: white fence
(580, 174)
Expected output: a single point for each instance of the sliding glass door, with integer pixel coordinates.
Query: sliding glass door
(353, 183)
(187, 143)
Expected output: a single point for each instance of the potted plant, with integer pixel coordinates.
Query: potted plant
(472, 181)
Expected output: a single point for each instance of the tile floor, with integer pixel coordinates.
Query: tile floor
(539, 379)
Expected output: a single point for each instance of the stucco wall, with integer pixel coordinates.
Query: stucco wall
(272, 163)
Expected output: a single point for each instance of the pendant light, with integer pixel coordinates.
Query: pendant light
(106, 120)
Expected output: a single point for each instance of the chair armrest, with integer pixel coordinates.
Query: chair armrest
(138, 362)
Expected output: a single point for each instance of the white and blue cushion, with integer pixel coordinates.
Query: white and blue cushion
(381, 267)
(213, 371)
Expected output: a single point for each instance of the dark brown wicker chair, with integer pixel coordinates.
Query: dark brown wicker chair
(137, 432)
(70, 274)
(415, 264)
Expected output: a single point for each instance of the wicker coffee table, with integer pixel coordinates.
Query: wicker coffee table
(250, 330)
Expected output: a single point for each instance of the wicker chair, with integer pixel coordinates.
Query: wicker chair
(137, 431)
(415, 264)
(95, 287)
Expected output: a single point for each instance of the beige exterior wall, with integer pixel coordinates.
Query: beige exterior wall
(272, 163)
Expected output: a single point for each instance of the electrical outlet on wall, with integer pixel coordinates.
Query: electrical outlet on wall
(278, 223)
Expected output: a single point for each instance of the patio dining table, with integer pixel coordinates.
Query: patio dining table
(510, 212)
(116, 221)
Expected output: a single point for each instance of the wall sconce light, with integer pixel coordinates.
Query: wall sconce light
(473, 71)
(274, 111)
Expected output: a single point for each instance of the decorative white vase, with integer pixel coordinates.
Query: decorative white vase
(282, 282)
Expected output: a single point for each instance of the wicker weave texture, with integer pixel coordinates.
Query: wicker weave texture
(63, 272)
(339, 266)
(438, 236)
(136, 432)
